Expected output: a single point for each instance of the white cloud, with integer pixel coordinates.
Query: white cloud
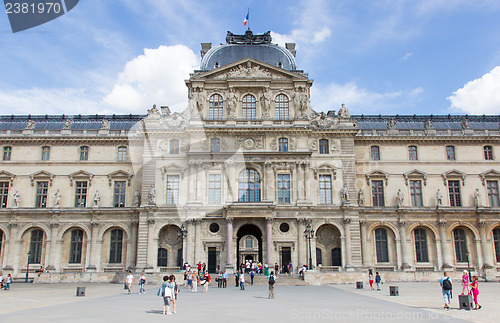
(406, 56)
(479, 96)
(361, 100)
(157, 77)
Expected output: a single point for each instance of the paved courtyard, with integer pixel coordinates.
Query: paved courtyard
(419, 302)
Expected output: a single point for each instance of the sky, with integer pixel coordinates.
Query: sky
(377, 57)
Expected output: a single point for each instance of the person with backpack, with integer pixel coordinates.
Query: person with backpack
(142, 281)
(378, 280)
(271, 281)
(252, 274)
(447, 287)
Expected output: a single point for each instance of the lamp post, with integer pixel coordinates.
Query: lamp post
(27, 267)
(309, 232)
(182, 233)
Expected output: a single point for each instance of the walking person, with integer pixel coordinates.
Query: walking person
(237, 278)
(175, 288)
(378, 280)
(252, 274)
(8, 280)
(142, 281)
(195, 282)
(219, 279)
(206, 278)
(446, 286)
(166, 292)
(266, 270)
(190, 279)
(465, 283)
(129, 281)
(242, 281)
(370, 278)
(224, 279)
(271, 280)
(475, 291)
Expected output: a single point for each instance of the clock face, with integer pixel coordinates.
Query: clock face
(249, 143)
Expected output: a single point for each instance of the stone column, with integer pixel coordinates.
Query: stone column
(192, 182)
(232, 181)
(269, 181)
(269, 240)
(131, 244)
(152, 248)
(405, 253)
(51, 247)
(301, 248)
(485, 246)
(300, 181)
(197, 242)
(365, 246)
(198, 182)
(229, 242)
(347, 233)
(439, 253)
(93, 246)
(445, 246)
(307, 184)
(13, 248)
(190, 243)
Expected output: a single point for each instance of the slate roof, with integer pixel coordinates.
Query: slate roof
(439, 122)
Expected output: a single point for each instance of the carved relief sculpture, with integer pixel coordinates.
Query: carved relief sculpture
(152, 195)
(137, 198)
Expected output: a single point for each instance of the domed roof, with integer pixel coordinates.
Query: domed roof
(238, 47)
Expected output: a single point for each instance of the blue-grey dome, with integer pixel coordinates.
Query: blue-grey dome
(239, 47)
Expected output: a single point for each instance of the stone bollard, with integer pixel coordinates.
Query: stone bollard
(394, 290)
(80, 291)
(359, 285)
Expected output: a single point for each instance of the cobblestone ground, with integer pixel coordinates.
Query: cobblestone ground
(419, 302)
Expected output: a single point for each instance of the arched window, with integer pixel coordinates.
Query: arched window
(283, 145)
(281, 107)
(122, 153)
(249, 109)
(116, 246)
(249, 186)
(45, 153)
(84, 153)
(496, 240)
(381, 245)
(162, 257)
(375, 153)
(215, 145)
(460, 245)
(75, 252)
(323, 146)
(36, 245)
(215, 107)
(421, 245)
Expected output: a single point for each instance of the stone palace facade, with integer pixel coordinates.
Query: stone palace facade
(244, 171)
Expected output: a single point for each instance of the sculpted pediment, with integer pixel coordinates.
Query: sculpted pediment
(249, 69)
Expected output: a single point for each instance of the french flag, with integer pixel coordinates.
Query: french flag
(246, 19)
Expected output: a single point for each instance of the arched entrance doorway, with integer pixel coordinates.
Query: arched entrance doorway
(169, 247)
(249, 244)
(328, 246)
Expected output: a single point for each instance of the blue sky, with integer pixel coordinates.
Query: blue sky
(377, 57)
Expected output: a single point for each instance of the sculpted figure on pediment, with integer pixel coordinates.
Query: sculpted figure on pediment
(321, 120)
(67, 125)
(391, 124)
(344, 113)
(248, 71)
(30, 125)
(105, 125)
(175, 120)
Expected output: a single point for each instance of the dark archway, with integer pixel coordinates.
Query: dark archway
(245, 230)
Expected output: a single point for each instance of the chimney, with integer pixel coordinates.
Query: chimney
(291, 48)
(205, 47)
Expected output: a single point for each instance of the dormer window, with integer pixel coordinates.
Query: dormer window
(280, 64)
(216, 65)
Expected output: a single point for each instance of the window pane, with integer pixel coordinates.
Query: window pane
(454, 190)
(84, 153)
(75, 254)
(412, 153)
(172, 189)
(119, 194)
(421, 245)
(450, 152)
(4, 194)
(283, 188)
(174, 147)
(323, 146)
(215, 107)
(7, 151)
(416, 193)
(283, 144)
(115, 246)
(325, 189)
(488, 152)
(122, 153)
(215, 145)
(493, 193)
(36, 244)
(81, 194)
(249, 186)
(249, 107)
(378, 193)
(375, 153)
(460, 245)
(381, 245)
(41, 194)
(281, 107)
(214, 188)
(45, 153)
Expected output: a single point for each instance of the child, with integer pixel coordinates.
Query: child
(378, 280)
(370, 278)
(475, 292)
(465, 282)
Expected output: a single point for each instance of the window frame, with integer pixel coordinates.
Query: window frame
(7, 153)
(450, 153)
(460, 245)
(488, 152)
(174, 147)
(454, 193)
(76, 247)
(4, 194)
(378, 194)
(122, 153)
(282, 145)
(324, 146)
(496, 242)
(162, 257)
(381, 245)
(421, 247)
(374, 152)
(81, 191)
(325, 189)
(116, 246)
(84, 153)
(42, 188)
(283, 188)
(119, 193)
(45, 153)
(412, 152)
(214, 188)
(216, 107)
(172, 189)
(281, 107)
(416, 193)
(249, 186)
(214, 145)
(36, 246)
(249, 107)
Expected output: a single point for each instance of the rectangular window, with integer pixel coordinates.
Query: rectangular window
(84, 153)
(81, 194)
(416, 193)
(450, 152)
(375, 152)
(412, 153)
(214, 188)
(325, 189)
(488, 153)
(7, 151)
(323, 146)
(41, 194)
(172, 189)
(174, 147)
(378, 193)
(4, 194)
(493, 193)
(119, 194)
(283, 188)
(454, 190)
(45, 153)
(215, 145)
(76, 247)
(122, 153)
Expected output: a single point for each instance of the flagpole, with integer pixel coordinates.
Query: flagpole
(248, 15)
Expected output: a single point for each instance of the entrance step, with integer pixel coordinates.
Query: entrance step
(282, 280)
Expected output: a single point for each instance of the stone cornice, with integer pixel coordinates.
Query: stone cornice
(434, 139)
(63, 141)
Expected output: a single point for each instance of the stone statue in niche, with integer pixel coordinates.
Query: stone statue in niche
(477, 197)
(137, 198)
(344, 195)
(152, 195)
(400, 197)
(231, 102)
(57, 198)
(265, 102)
(439, 198)
(97, 199)
(17, 199)
(361, 198)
